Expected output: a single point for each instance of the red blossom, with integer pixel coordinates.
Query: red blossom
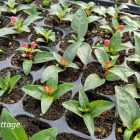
(13, 19)
(106, 42)
(63, 61)
(48, 89)
(121, 27)
(25, 44)
(33, 45)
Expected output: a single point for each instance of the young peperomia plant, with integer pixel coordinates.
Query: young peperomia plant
(18, 133)
(48, 93)
(12, 6)
(7, 84)
(129, 112)
(88, 110)
(31, 56)
(112, 72)
(48, 35)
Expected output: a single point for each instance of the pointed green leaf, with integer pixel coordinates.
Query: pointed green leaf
(46, 102)
(93, 81)
(7, 133)
(72, 106)
(127, 107)
(100, 106)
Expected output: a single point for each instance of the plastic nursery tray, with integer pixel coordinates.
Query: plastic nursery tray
(17, 109)
(133, 9)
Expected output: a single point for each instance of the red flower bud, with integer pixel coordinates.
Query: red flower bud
(25, 44)
(33, 45)
(63, 61)
(121, 27)
(106, 42)
(13, 19)
(107, 64)
(48, 89)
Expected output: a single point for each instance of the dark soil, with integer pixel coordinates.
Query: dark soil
(16, 93)
(65, 136)
(55, 111)
(103, 123)
(31, 126)
(8, 46)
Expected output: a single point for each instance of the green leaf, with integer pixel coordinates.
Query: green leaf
(136, 124)
(30, 19)
(106, 27)
(13, 80)
(72, 106)
(134, 57)
(17, 133)
(62, 89)
(84, 53)
(137, 43)
(127, 107)
(138, 79)
(2, 92)
(47, 134)
(100, 106)
(93, 18)
(51, 72)
(80, 23)
(102, 56)
(71, 51)
(115, 42)
(46, 102)
(131, 88)
(6, 31)
(127, 134)
(27, 65)
(115, 23)
(119, 72)
(33, 90)
(41, 57)
(89, 123)
(93, 81)
(83, 99)
(137, 137)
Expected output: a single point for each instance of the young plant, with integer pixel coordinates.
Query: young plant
(61, 11)
(20, 25)
(13, 7)
(88, 7)
(114, 11)
(31, 56)
(48, 93)
(64, 62)
(129, 112)
(87, 110)
(18, 132)
(112, 72)
(114, 45)
(7, 84)
(116, 26)
(48, 35)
